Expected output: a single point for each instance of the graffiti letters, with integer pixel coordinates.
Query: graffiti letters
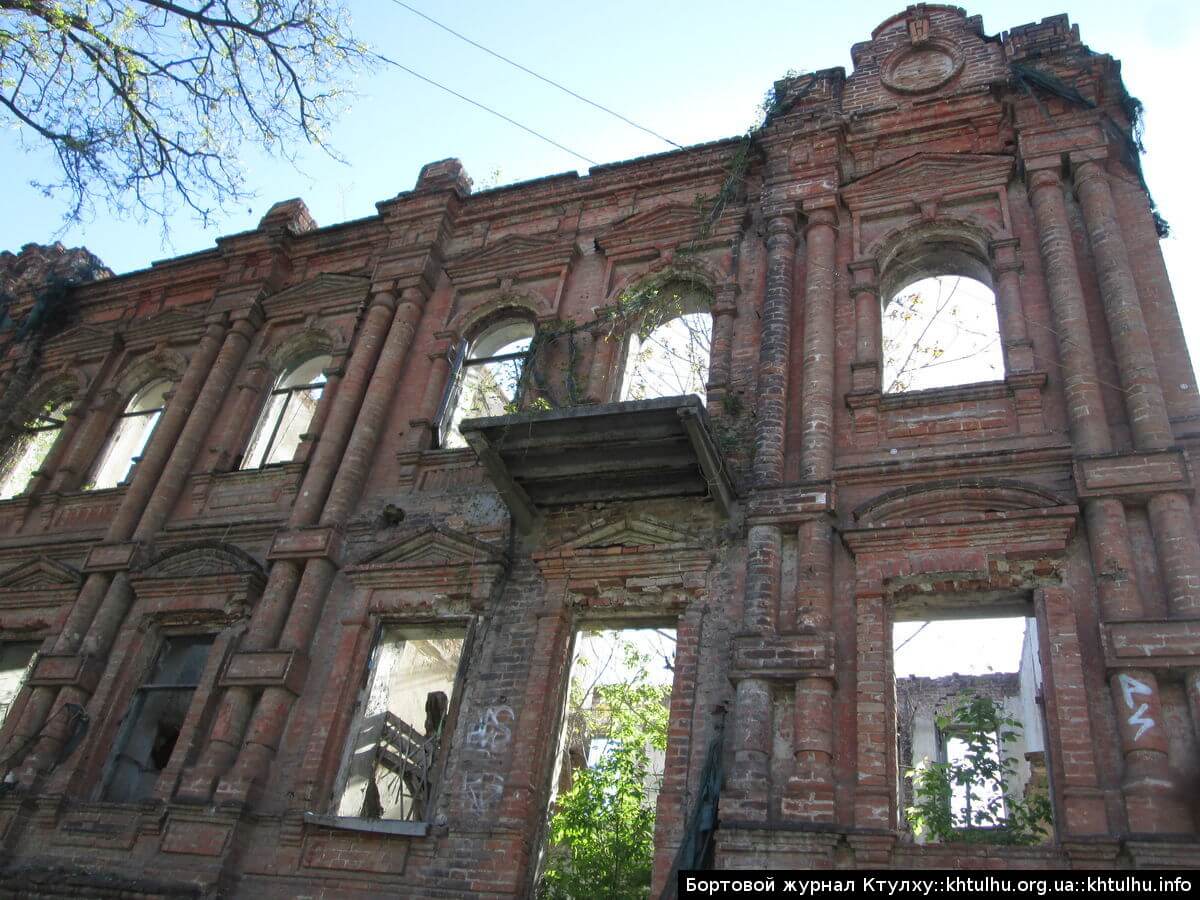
(1130, 687)
(492, 733)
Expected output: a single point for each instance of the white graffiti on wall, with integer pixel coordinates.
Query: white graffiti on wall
(484, 790)
(493, 731)
(1129, 687)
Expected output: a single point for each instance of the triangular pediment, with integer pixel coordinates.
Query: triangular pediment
(913, 174)
(434, 547)
(40, 574)
(200, 560)
(629, 531)
(660, 225)
(326, 289)
(511, 246)
(509, 256)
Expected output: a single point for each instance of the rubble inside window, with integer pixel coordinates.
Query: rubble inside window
(401, 726)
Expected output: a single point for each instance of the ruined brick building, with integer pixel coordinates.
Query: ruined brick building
(245, 503)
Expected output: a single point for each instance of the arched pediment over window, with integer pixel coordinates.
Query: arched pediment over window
(955, 500)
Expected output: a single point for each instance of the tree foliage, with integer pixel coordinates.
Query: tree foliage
(602, 828)
(986, 809)
(148, 104)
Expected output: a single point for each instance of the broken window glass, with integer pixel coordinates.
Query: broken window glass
(155, 718)
(400, 729)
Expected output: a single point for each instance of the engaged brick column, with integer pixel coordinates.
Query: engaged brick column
(810, 789)
(271, 714)
(98, 419)
(62, 443)
(102, 602)
(816, 443)
(866, 372)
(1081, 387)
(724, 310)
(1135, 356)
(1014, 335)
(874, 794)
(204, 411)
(421, 429)
(237, 703)
(774, 351)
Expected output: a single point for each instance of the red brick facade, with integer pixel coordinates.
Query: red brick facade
(1067, 484)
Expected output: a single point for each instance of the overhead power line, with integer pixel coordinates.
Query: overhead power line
(528, 71)
(476, 103)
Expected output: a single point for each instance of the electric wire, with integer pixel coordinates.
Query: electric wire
(476, 103)
(540, 77)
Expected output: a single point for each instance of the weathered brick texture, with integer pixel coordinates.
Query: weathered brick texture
(1064, 486)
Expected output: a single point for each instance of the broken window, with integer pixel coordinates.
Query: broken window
(397, 737)
(156, 717)
(130, 436)
(939, 332)
(668, 354)
(16, 659)
(25, 455)
(970, 738)
(600, 829)
(288, 413)
(486, 378)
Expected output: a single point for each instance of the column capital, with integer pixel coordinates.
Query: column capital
(1087, 170)
(781, 222)
(384, 298)
(824, 216)
(1042, 178)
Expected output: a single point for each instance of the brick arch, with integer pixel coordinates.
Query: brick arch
(510, 303)
(665, 270)
(942, 246)
(295, 348)
(201, 558)
(166, 364)
(66, 384)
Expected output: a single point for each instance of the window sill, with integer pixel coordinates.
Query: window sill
(375, 826)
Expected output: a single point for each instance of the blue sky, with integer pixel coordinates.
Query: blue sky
(693, 71)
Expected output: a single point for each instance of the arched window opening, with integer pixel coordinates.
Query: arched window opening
(486, 378)
(130, 436)
(29, 449)
(288, 413)
(938, 332)
(668, 355)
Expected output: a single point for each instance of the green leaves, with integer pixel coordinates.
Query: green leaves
(970, 797)
(602, 828)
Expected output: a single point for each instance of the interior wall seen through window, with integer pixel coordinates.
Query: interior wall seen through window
(396, 738)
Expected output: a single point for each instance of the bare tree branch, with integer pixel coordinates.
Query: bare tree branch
(148, 104)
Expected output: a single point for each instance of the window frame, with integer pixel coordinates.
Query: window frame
(28, 431)
(463, 362)
(439, 770)
(290, 391)
(114, 430)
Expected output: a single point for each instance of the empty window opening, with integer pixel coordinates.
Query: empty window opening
(486, 378)
(155, 719)
(395, 752)
(25, 455)
(668, 355)
(16, 659)
(939, 332)
(600, 833)
(970, 734)
(130, 436)
(287, 415)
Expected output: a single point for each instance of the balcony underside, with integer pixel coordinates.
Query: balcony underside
(635, 450)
